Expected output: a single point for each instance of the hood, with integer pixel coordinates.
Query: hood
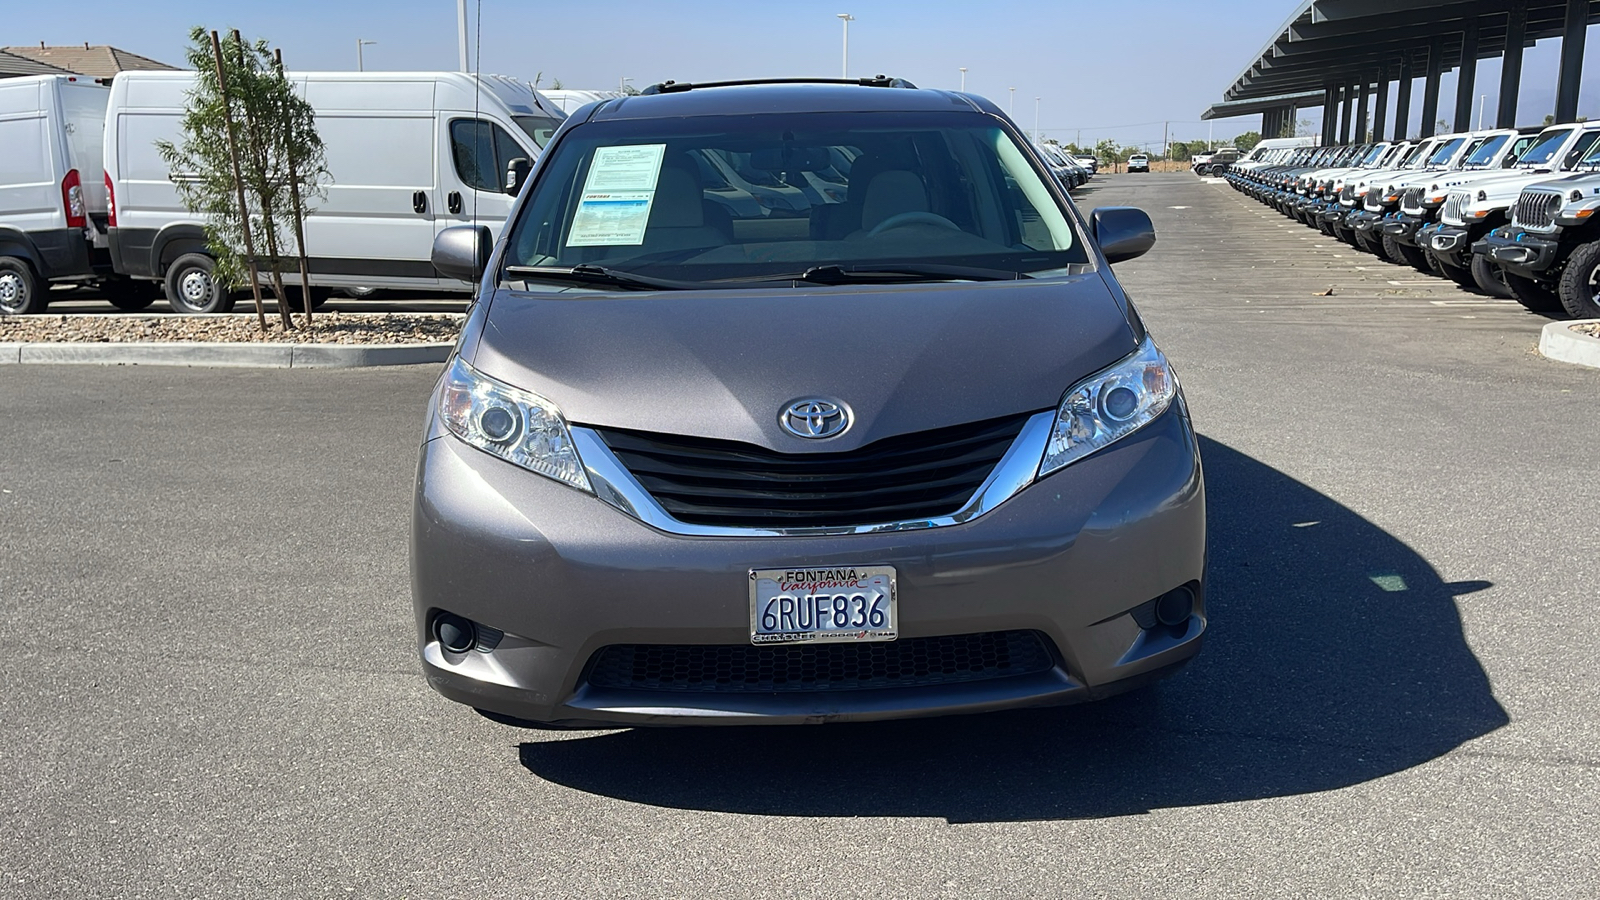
(722, 364)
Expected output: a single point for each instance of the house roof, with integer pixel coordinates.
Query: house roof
(94, 61)
(14, 66)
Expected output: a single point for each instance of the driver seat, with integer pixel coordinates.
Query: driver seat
(890, 193)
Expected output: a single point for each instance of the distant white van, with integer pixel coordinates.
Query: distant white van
(52, 197)
(409, 154)
(570, 101)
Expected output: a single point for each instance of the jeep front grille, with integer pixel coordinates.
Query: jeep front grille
(1454, 206)
(1536, 210)
(1411, 201)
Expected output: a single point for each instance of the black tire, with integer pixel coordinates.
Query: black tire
(191, 289)
(1579, 289)
(319, 298)
(129, 295)
(1461, 275)
(20, 294)
(1432, 262)
(1405, 254)
(1367, 242)
(1533, 295)
(1490, 278)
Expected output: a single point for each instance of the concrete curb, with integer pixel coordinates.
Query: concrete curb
(1559, 342)
(233, 355)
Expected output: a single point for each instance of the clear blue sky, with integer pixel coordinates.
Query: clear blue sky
(1093, 64)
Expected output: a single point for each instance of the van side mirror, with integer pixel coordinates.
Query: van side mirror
(1123, 232)
(463, 251)
(517, 173)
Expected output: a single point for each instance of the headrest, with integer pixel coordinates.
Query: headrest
(678, 200)
(890, 193)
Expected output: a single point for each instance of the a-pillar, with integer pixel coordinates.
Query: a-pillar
(1571, 61)
(1380, 107)
(1344, 118)
(1511, 65)
(1361, 112)
(1467, 74)
(1430, 89)
(1402, 101)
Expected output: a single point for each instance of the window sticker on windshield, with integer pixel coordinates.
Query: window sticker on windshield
(617, 196)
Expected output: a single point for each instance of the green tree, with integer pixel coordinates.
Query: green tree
(1247, 141)
(254, 160)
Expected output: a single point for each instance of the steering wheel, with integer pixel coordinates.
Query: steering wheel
(900, 220)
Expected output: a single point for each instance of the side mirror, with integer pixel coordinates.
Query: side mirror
(1510, 160)
(517, 173)
(463, 251)
(1123, 232)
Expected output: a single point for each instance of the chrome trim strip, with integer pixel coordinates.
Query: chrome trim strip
(614, 484)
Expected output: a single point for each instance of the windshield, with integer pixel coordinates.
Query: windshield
(1441, 156)
(1541, 153)
(1373, 154)
(1580, 148)
(1486, 151)
(538, 127)
(711, 198)
(1592, 158)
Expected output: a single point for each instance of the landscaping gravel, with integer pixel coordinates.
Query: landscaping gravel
(1592, 329)
(326, 328)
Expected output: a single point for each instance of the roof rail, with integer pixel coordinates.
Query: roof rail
(678, 87)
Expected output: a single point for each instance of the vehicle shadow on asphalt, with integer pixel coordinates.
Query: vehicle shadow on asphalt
(1335, 656)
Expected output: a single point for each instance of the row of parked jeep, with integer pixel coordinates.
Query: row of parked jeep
(1507, 212)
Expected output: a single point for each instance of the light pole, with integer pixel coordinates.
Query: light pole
(1036, 120)
(1481, 98)
(461, 32)
(846, 18)
(361, 65)
(1011, 103)
(963, 79)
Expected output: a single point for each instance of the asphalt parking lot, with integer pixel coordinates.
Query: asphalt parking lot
(211, 684)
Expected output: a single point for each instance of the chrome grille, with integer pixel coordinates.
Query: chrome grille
(906, 478)
(1411, 201)
(1455, 203)
(1536, 210)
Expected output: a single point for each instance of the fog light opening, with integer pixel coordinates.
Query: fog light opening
(454, 633)
(1175, 606)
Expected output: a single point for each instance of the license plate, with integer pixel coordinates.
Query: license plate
(832, 605)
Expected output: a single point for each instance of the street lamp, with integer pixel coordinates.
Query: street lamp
(846, 18)
(1011, 103)
(1481, 98)
(361, 65)
(963, 79)
(1036, 120)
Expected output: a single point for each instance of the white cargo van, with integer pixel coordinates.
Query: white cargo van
(408, 153)
(52, 199)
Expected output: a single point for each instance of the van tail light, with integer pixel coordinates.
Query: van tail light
(111, 203)
(72, 200)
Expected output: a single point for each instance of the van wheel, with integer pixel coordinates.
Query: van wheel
(1533, 295)
(191, 289)
(129, 295)
(319, 298)
(19, 289)
(1580, 283)
(1491, 278)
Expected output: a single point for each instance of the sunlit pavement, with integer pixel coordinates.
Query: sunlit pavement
(212, 689)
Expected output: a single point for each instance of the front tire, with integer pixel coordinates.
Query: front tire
(1533, 295)
(1491, 279)
(191, 289)
(19, 288)
(1579, 289)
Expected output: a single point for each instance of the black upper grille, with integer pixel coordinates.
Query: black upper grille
(909, 662)
(1411, 200)
(905, 478)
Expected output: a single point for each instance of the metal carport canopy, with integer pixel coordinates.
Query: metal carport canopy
(1329, 42)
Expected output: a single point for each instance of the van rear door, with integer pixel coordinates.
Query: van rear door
(30, 192)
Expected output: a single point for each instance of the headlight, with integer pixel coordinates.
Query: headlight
(518, 426)
(1109, 406)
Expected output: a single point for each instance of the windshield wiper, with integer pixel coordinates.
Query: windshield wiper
(588, 274)
(896, 273)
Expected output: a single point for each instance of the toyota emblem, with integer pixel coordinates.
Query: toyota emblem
(814, 418)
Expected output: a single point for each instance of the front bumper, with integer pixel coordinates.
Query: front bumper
(1403, 227)
(1521, 253)
(564, 575)
(1452, 244)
